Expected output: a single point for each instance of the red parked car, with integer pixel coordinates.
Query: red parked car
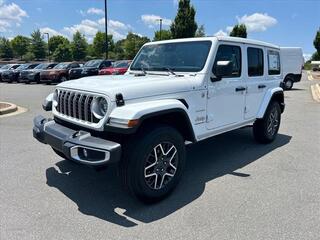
(117, 68)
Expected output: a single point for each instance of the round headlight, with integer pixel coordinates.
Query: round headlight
(99, 107)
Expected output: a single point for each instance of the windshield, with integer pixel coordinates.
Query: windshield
(93, 63)
(179, 56)
(42, 66)
(23, 66)
(121, 64)
(6, 66)
(61, 66)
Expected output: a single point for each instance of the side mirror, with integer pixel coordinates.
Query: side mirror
(222, 69)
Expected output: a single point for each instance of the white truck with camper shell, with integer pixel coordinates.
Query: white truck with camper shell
(174, 92)
(292, 62)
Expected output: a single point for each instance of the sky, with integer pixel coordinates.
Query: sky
(281, 22)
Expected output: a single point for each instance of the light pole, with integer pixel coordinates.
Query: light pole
(160, 27)
(106, 26)
(48, 45)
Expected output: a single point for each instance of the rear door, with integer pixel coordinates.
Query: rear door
(255, 79)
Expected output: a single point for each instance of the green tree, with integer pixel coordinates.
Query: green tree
(20, 45)
(239, 30)
(119, 49)
(38, 46)
(315, 56)
(184, 24)
(55, 41)
(79, 46)
(5, 48)
(316, 42)
(99, 45)
(132, 44)
(28, 57)
(165, 34)
(90, 52)
(63, 53)
(200, 32)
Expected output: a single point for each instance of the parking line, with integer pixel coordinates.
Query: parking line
(315, 91)
(310, 77)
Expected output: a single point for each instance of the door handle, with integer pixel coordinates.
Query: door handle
(261, 86)
(239, 89)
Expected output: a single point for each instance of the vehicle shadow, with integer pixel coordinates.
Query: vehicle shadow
(297, 89)
(100, 194)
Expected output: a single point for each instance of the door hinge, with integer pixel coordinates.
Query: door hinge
(245, 110)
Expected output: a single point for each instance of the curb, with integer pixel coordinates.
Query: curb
(9, 109)
(315, 90)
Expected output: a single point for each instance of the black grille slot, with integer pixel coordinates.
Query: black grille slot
(76, 105)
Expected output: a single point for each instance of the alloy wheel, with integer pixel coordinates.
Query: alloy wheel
(273, 122)
(161, 165)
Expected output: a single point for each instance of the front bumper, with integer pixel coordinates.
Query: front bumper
(26, 78)
(76, 75)
(8, 78)
(49, 78)
(78, 146)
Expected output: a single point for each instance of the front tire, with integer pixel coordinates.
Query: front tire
(63, 78)
(37, 79)
(153, 163)
(265, 130)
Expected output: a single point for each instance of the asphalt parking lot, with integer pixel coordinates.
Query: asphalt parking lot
(233, 188)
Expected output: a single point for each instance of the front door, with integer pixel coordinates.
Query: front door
(226, 97)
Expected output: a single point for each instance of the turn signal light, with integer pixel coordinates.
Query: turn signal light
(133, 123)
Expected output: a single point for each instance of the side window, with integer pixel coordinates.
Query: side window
(273, 62)
(107, 64)
(255, 62)
(103, 65)
(229, 53)
(74, 65)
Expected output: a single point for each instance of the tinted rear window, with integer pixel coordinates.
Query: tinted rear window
(255, 62)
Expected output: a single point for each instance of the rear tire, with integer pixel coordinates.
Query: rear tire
(152, 163)
(288, 83)
(265, 130)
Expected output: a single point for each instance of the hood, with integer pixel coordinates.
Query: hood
(86, 68)
(34, 70)
(30, 71)
(131, 86)
(111, 69)
(8, 71)
(26, 71)
(56, 71)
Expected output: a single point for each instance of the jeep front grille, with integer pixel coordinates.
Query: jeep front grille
(76, 105)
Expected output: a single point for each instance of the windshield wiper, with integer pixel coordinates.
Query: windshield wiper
(143, 70)
(169, 70)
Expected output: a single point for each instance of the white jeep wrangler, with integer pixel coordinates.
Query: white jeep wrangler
(175, 91)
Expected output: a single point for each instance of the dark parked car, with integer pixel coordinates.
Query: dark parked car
(117, 68)
(13, 74)
(33, 75)
(90, 68)
(59, 73)
(7, 67)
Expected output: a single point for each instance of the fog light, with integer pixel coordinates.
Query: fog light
(85, 153)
